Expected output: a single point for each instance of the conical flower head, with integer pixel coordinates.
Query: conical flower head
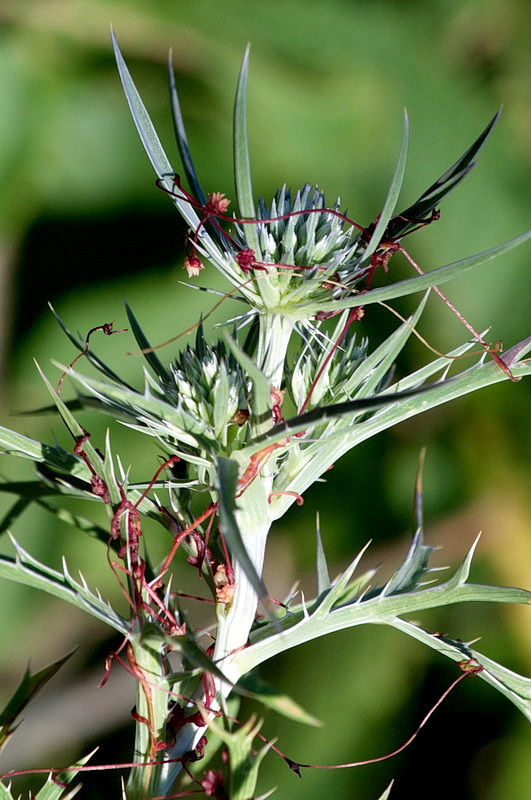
(299, 235)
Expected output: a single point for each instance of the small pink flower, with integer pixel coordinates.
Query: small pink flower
(217, 203)
(246, 259)
(193, 266)
(212, 783)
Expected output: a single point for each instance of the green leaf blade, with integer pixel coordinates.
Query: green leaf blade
(392, 194)
(434, 277)
(242, 163)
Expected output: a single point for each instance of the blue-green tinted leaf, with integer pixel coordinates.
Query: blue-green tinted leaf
(517, 688)
(430, 199)
(320, 414)
(27, 570)
(412, 570)
(261, 394)
(182, 140)
(143, 123)
(55, 788)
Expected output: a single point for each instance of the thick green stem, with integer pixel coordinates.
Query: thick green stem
(275, 333)
(254, 520)
(152, 706)
(234, 622)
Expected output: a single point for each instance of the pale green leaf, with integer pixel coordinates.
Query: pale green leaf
(27, 570)
(261, 394)
(55, 457)
(53, 790)
(270, 697)
(434, 277)
(392, 194)
(387, 793)
(323, 577)
(242, 165)
(331, 615)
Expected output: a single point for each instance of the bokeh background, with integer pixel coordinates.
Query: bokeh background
(83, 226)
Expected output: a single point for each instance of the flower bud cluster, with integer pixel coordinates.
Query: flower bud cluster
(334, 383)
(305, 239)
(211, 387)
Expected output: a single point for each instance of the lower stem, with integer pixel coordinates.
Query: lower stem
(234, 621)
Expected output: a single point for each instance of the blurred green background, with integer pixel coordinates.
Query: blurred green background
(82, 225)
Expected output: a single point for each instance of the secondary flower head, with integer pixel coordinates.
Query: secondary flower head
(210, 386)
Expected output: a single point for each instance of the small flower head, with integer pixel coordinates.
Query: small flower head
(210, 386)
(309, 253)
(217, 203)
(327, 381)
(193, 266)
(246, 259)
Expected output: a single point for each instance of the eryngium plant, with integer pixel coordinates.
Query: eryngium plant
(245, 424)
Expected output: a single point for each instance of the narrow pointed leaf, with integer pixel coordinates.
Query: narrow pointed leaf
(242, 164)
(79, 344)
(338, 587)
(270, 697)
(78, 434)
(153, 360)
(174, 421)
(26, 690)
(149, 137)
(327, 617)
(30, 572)
(54, 789)
(195, 656)
(182, 140)
(321, 414)
(15, 444)
(387, 793)
(375, 367)
(392, 194)
(261, 394)
(143, 123)
(434, 277)
(418, 497)
(411, 571)
(517, 688)
(430, 199)
(244, 758)
(323, 576)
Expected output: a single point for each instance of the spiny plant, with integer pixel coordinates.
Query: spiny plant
(244, 424)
